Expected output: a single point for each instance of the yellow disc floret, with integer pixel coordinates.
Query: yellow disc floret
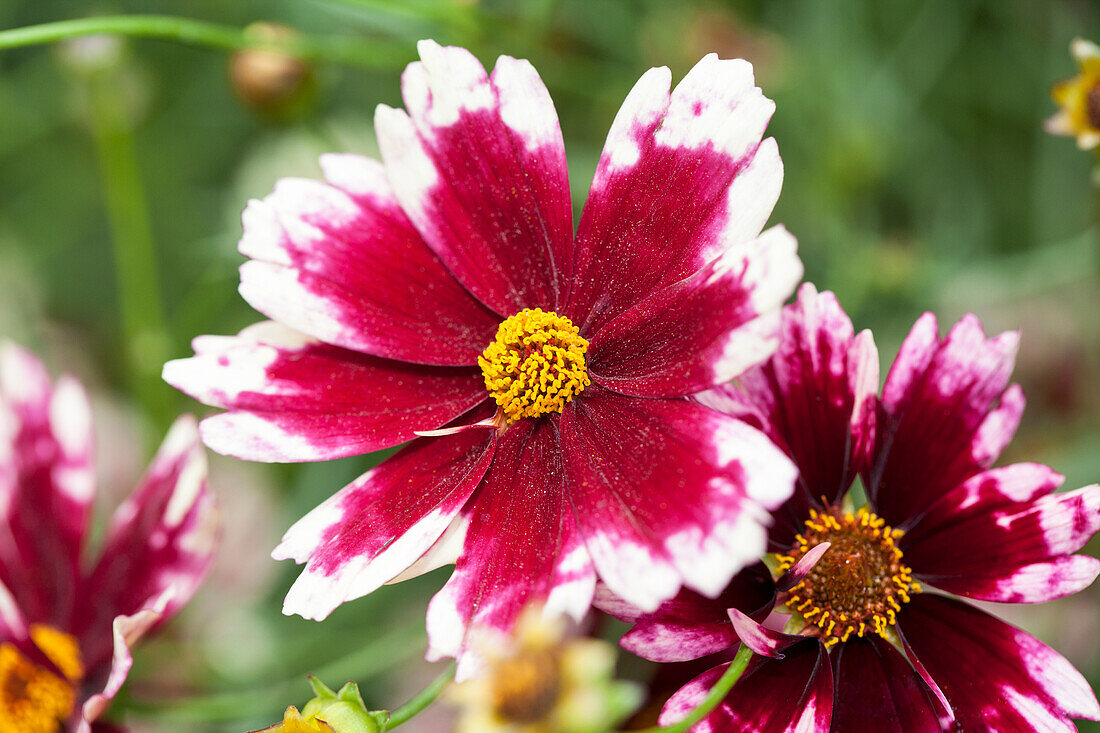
(535, 365)
(858, 585)
(33, 699)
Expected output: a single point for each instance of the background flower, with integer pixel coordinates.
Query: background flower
(67, 628)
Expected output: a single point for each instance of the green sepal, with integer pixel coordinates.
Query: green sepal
(343, 711)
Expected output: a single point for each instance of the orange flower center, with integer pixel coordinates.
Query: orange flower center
(34, 699)
(858, 585)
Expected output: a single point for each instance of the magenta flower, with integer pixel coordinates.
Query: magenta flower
(66, 630)
(444, 288)
(868, 645)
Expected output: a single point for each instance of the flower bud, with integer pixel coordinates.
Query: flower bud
(276, 85)
(330, 712)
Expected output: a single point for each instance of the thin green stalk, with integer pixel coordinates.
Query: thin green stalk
(366, 52)
(144, 336)
(717, 693)
(422, 700)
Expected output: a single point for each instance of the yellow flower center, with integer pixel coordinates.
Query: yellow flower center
(535, 365)
(526, 687)
(858, 585)
(34, 699)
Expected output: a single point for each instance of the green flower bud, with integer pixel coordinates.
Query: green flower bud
(330, 712)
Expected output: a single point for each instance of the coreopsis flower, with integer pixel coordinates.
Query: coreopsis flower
(442, 293)
(853, 634)
(543, 680)
(1078, 98)
(66, 630)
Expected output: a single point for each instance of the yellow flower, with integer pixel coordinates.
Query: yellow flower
(1079, 98)
(542, 682)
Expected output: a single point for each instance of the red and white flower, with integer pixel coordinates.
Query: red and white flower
(410, 295)
(66, 629)
(851, 635)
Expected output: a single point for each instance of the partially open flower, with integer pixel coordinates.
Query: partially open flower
(852, 632)
(543, 681)
(66, 632)
(1079, 98)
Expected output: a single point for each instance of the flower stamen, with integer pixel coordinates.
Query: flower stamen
(535, 365)
(858, 586)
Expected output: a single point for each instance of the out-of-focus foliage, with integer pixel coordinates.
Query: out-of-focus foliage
(918, 177)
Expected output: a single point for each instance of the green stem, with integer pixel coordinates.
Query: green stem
(717, 693)
(144, 336)
(371, 53)
(423, 699)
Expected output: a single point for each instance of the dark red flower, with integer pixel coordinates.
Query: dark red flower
(851, 634)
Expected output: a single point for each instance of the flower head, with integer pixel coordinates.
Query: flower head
(542, 681)
(443, 293)
(1078, 98)
(851, 631)
(66, 632)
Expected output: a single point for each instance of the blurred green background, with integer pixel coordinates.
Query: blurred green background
(917, 177)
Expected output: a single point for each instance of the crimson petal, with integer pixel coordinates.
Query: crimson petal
(877, 691)
(521, 549)
(815, 398)
(949, 394)
(378, 526)
(995, 676)
(760, 639)
(703, 330)
(668, 493)
(341, 262)
(47, 485)
(478, 164)
(291, 398)
(1002, 536)
(683, 177)
(159, 546)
